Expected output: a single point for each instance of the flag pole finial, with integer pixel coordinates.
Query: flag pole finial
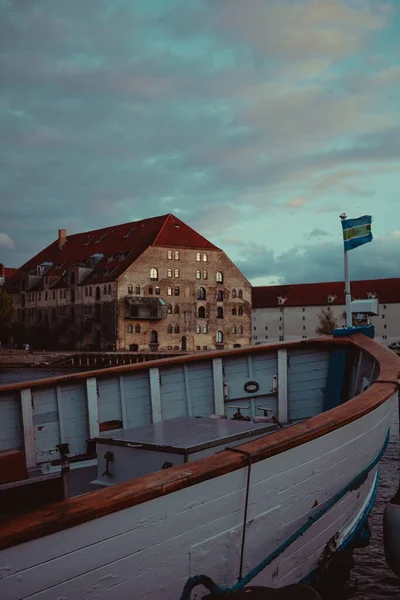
(343, 216)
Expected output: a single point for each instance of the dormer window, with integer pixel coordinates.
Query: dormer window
(281, 300)
(371, 295)
(331, 299)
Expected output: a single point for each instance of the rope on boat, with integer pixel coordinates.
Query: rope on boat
(217, 590)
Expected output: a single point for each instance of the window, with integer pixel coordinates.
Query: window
(109, 289)
(198, 347)
(266, 328)
(220, 312)
(137, 328)
(40, 295)
(169, 309)
(233, 328)
(220, 296)
(205, 257)
(254, 328)
(176, 255)
(137, 290)
(280, 328)
(150, 290)
(153, 274)
(169, 329)
(169, 291)
(240, 329)
(169, 254)
(130, 328)
(233, 293)
(176, 329)
(280, 318)
(130, 289)
(385, 326)
(240, 311)
(54, 293)
(234, 310)
(205, 275)
(219, 277)
(198, 329)
(90, 291)
(45, 295)
(176, 309)
(384, 337)
(157, 290)
(219, 337)
(304, 327)
(384, 306)
(153, 337)
(201, 294)
(205, 329)
(201, 313)
(304, 318)
(198, 274)
(240, 294)
(281, 338)
(105, 289)
(169, 273)
(90, 294)
(383, 316)
(303, 309)
(176, 273)
(176, 291)
(198, 257)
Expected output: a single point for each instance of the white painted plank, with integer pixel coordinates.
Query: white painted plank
(218, 386)
(282, 386)
(92, 406)
(27, 427)
(155, 395)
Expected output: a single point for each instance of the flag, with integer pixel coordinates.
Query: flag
(356, 232)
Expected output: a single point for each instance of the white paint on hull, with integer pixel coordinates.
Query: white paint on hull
(149, 550)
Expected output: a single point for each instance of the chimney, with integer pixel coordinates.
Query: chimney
(62, 237)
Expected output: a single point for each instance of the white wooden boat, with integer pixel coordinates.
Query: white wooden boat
(303, 490)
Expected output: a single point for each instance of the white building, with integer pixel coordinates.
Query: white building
(292, 312)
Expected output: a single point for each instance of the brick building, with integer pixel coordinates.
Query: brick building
(292, 312)
(154, 284)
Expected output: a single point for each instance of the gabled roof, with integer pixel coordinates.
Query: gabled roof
(116, 247)
(316, 294)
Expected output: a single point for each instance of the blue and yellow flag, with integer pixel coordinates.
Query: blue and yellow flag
(356, 232)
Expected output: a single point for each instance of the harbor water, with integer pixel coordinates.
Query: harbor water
(375, 580)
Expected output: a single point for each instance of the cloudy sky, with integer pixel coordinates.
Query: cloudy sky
(257, 122)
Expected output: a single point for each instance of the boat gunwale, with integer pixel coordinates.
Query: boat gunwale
(75, 511)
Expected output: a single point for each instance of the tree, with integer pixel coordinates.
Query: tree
(327, 323)
(5, 314)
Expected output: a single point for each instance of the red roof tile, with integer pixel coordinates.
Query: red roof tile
(6, 271)
(316, 294)
(120, 246)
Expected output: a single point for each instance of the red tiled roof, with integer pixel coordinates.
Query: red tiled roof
(316, 294)
(6, 271)
(120, 246)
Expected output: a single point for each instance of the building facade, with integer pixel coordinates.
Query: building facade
(293, 312)
(153, 285)
(5, 273)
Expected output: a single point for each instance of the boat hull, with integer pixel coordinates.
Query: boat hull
(151, 549)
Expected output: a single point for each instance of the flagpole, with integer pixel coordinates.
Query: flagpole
(349, 319)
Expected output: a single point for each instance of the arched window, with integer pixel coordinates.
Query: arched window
(233, 293)
(176, 309)
(130, 328)
(137, 328)
(205, 257)
(198, 328)
(240, 330)
(153, 337)
(176, 329)
(137, 290)
(130, 289)
(109, 289)
(176, 255)
(169, 309)
(240, 294)
(169, 272)
(98, 292)
(220, 296)
(205, 275)
(169, 254)
(177, 291)
(234, 310)
(176, 273)
(205, 329)
(219, 337)
(219, 277)
(201, 294)
(198, 274)
(153, 274)
(169, 291)
(105, 289)
(233, 328)
(198, 257)
(240, 312)
(201, 313)
(220, 312)
(169, 329)
(150, 290)
(157, 290)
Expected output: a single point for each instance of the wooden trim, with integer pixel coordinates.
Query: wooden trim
(187, 390)
(60, 410)
(123, 402)
(282, 386)
(27, 428)
(75, 511)
(92, 406)
(218, 386)
(155, 395)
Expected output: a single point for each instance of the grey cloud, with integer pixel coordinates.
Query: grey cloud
(317, 233)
